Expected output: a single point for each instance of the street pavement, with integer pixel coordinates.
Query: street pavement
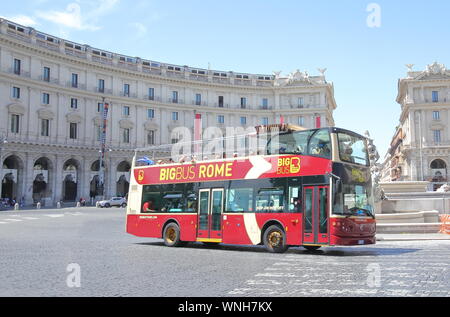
(86, 252)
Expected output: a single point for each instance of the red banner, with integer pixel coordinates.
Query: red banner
(251, 168)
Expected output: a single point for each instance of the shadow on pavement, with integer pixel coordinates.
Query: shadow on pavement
(353, 252)
(218, 247)
(327, 251)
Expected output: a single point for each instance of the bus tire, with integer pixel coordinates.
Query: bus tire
(274, 239)
(171, 235)
(312, 247)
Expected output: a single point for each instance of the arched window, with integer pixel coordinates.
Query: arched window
(438, 164)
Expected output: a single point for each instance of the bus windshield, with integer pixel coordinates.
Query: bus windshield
(308, 142)
(354, 200)
(352, 149)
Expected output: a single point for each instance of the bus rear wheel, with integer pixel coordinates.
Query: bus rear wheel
(275, 239)
(171, 235)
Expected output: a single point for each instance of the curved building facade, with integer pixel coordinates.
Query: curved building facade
(51, 93)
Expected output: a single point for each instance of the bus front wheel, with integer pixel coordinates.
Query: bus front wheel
(275, 239)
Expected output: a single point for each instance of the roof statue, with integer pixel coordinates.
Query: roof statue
(435, 69)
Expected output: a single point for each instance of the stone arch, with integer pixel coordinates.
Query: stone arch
(71, 173)
(12, 179)
(123, 178)
(438, 164)
(42, 179)
(95, 165)
(96, 188)
(438, 169)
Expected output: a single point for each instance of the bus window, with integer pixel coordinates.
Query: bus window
(270, 200)
(239, 200)
(353, 149)
(191, 202)
(150, 200)
(289, 143)
(309, 142)
(295, 204)
(320, 144)
(172, 202)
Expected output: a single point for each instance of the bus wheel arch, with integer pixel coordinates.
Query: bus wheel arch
(274, 237)
(267, 224)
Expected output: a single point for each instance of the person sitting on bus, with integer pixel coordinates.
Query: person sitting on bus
(282, 150)
(192, 205)
(298, 149)
(149, 206)
(346, 154)
(321, 149)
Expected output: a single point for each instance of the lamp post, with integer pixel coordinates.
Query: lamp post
(3, 141)
(103, 147)
(101, 171)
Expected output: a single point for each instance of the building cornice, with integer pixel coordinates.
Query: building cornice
(138, 75)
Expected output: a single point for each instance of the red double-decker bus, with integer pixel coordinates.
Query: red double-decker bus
(313, 189)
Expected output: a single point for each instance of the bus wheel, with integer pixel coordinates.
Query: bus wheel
(312, 247)
(275, 239)
(171, 235)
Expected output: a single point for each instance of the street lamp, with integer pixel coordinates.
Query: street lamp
(103, 146)
(3, 141)
(102, 170)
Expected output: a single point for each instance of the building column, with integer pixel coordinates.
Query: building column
(414, 173)
(28, 180)
(81, 179)
(85, 186)
(3, 26)
(323, 101)
(277, 104)
(1, 165)
(57, 184)
(111, 177)
(52, 179)
(412, 135)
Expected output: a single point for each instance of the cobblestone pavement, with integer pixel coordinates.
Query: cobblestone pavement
(414, 268)
(37, 247)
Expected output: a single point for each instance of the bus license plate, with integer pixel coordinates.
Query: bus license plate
(360, 241)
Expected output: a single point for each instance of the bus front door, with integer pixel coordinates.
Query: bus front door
(315, 215)
(209, 227)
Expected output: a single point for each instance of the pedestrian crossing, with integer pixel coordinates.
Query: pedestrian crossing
(9, 219)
